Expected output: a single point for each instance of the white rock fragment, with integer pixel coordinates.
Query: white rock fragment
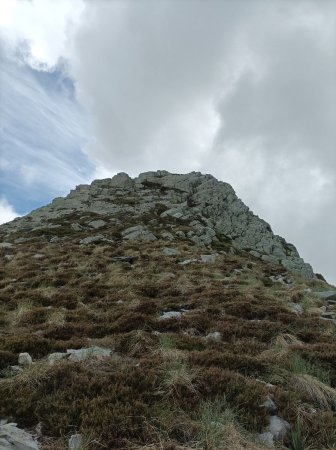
(57, 356)
(171, 314)
(25, 359)
(14, 438)
(92, 239)
(214, 336)
(96, 224)
(171, 251)
(266, 439)
(208, 258)
(84, 353)
(75, 442)
(278, 427)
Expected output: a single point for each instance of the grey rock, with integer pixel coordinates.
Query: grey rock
(255, 254)
(138, 233)
(92, 239)
(167, 236)
(266, 439)
(75, 442)
(269, 405)
(208, 258)
(97, 223)
(180, 234)
(171, 251)
(16, 368)
(270, 259)
(9, 257)
(296, 308)
(38, 256)
(278, 427)
(281, 278)
(4, 445)
(214, 336)
(121, 180)
(25, 359)
(77, 227)
(14, 438)
(187, 261)
(55, 357)
(171, 314)
(55, 239)
(84, 353)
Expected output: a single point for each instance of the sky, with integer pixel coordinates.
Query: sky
(242, 89)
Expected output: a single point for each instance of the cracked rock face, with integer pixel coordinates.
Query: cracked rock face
(208, 208)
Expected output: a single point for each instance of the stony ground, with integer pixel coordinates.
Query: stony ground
(145, 338)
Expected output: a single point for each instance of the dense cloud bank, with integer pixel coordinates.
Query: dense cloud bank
(243, 90)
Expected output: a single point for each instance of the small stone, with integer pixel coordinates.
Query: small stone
(55, 239)
(208, 258)
(25, 359)
(84, 353)
(138, 233)
(167, 236)
(76, 227)
(75, 442)
(296, 308)
(54, 357)
(92, 239)
(278, 427)
(255, 254)
(214, 336)
(170, 314)
(269, 405)
(96, 224)
(171, 251)
(187, 261)
(17, 439)
(266, 439)
(16, 368)
(38, 256)
(9, 257)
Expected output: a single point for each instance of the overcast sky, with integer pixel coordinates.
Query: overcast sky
(244, 90)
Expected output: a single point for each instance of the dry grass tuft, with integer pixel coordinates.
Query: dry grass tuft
(314, 390)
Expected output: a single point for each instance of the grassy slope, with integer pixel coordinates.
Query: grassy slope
(166, 387)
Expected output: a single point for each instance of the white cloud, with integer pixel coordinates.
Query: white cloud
(7, 212)
(43, 24)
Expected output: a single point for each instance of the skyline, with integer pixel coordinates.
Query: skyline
(242, 90)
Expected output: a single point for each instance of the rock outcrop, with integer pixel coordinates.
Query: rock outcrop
(207, 210)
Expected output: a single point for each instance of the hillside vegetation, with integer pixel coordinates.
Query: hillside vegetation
(189, 346)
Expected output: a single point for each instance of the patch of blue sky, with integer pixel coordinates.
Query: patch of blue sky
(42, 133)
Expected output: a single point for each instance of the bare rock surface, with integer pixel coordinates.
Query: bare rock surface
(210, 208)
(13, 438)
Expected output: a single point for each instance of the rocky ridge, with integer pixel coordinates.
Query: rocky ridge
(194, 207)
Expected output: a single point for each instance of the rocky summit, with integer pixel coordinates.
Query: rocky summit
(160, 313)
(194, 207)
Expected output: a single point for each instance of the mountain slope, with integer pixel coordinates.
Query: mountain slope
(209, 208)
(160, 313)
